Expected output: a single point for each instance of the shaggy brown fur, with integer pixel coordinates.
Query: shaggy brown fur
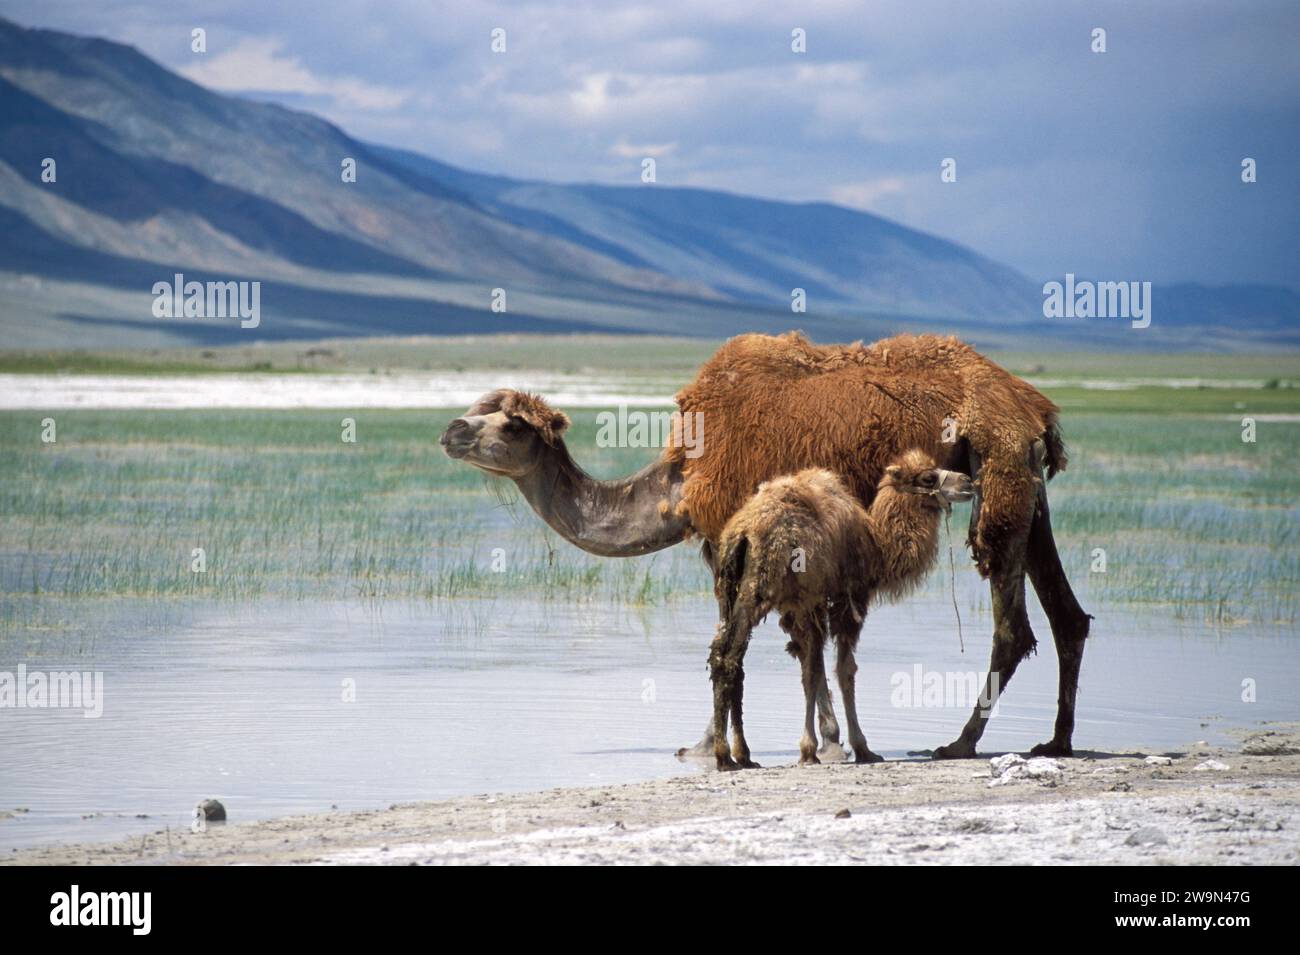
(803, 544)
(776, 405)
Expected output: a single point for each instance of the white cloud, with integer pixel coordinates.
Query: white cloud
(258, 65)
(864, 195)
(628, 150)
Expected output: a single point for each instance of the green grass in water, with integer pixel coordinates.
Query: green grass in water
(1188, 515)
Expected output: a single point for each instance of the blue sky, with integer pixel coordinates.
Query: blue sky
(1122, 165)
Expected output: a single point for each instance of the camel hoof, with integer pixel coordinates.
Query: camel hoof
(727, 765)
(832, 752)
(955, 750)
(809, 760)
(867, 756)
(702, 749)
(748, 764)
(1052, 748)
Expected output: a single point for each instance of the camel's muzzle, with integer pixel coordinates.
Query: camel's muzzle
(955, 487)
(952, 487)
(458, 439)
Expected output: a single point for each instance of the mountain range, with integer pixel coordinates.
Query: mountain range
(154, 175)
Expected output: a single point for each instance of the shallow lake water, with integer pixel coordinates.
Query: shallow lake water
(282, 708)
(400, 389)
(448, 389)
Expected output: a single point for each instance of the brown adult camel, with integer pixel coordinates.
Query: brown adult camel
(778, 405)
(804, 547)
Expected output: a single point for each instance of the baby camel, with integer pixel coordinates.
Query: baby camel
(805, 547)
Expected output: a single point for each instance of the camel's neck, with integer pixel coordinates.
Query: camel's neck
(905, 531)
(623, 518)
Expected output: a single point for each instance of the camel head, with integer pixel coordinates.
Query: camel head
(505, 433)
(915, 472)
(515, 435)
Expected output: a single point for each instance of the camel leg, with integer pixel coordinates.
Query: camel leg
(1013, 640)
(705, 747)
(739, 746)
(845, 669)
(846, 631)
(814, 673)
(999, 540)
(829, 726)
(719, 655)
(975, 502)
(831, 749)
(1069, 625)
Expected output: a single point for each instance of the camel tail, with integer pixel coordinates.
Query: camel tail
(731, 571)
(736, 595)
(1057, 458)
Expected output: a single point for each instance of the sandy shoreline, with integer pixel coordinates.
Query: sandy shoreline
(1241, 807)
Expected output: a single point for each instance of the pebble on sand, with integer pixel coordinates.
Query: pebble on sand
(1012, 767)
(212, 810)
(1147, 836)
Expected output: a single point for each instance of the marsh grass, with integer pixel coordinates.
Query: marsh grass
(282, 507)
(1189, 516)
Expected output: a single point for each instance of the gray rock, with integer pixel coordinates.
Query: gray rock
(1147, 836)
(1012, 768)
(212, 810)
(1269, 744)
(999, 765)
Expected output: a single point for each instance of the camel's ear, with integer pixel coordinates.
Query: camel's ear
(545, 420)
(552, 426)
(894, 472)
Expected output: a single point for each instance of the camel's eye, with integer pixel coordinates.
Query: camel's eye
(515, 423)
(929, 479)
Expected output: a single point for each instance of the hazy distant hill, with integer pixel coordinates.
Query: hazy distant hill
(158, 175)
(753, 249)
